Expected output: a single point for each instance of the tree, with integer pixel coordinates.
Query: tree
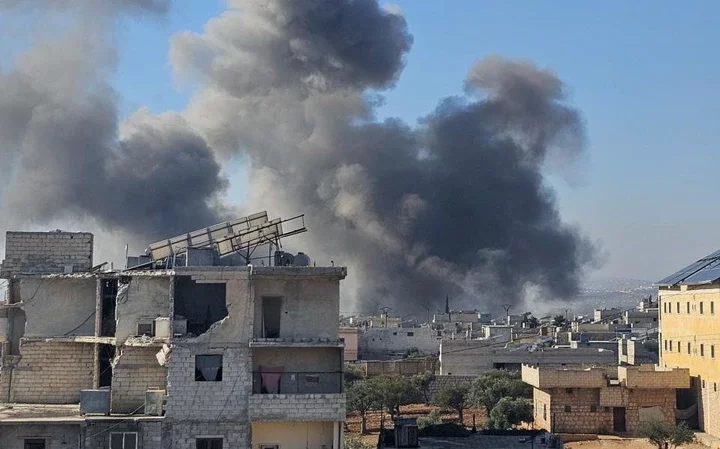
(455, 397)
(494, 385)
(509, 412)
(666, 435)
(412, 352)
(352, 373)
(530, 321)
(362, 398)
(354, 442)
(559, 321)
(421, 382)
(394, 391)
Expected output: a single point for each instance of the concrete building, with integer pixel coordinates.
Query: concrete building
(689, 321)
(613, 314)
(381, 343)
(184, 357)
(350, 337)
(641, 319)
(607, 399)
(474, 357)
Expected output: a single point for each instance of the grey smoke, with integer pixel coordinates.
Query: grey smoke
(457, 205)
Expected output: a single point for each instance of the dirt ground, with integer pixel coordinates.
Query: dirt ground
(622, 443)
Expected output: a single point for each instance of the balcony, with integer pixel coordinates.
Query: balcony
(288, 383)
(296, 343)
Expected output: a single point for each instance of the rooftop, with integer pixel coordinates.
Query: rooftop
(703, 271)
(11, 413)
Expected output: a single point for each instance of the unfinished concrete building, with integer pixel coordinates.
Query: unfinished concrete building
(196, 347)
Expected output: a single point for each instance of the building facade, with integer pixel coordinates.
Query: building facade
(190, 357)
(689, 320)
(608, 399)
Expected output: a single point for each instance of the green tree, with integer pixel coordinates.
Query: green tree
(509, 412)
(666, 435)
(411, 353)
(352, 373)
(491, 386)
(559, 321)
(362, 398)
(395, 391)
(455, 397)
(421, 382)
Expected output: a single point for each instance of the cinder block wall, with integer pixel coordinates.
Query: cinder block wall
(52, 372)
(46, 252)
(136, 371)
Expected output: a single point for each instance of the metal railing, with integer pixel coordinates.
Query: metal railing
(265, 382)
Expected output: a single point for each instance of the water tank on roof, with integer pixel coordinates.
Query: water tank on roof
(301, 260)
(283, 259)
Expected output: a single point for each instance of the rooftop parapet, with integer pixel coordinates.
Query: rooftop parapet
(653, 376)
(557, 377)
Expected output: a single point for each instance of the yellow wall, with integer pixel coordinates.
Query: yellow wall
(293, 435)
(350, 336)
(697, 329)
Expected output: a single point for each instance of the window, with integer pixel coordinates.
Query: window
(606, 409)
(544, 411)
(688, 307)
(688, 347)
(712, 351)
(34, 443)
(678, 307)
(208, 368)
(701, 307)
(714, 386)
(678, 346)
(271, 314)
(568, 409)
(593, 408)
(665, 308)
(411, 334)
(208, 443)
(666, 343)
(394, 333)
(123, 440)
(712, 307)
(670, 346)
(703, 383)
(269, 446)
(569, 390)
(702, 350)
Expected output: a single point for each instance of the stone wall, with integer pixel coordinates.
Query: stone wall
(542, 407)
(46, 252)
(97, 433)
(136, 370)
(142, 300)
(12, 436)
(236, 435)
(709, 410)
(52, 372)
(297, 407)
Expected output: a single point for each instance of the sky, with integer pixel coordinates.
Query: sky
(642, 73)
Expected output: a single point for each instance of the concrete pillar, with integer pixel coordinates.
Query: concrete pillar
(337, 435)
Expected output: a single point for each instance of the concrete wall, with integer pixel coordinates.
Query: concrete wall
(325, 360)
(56, 436)
(144, 298)
(183, 434)
(52, 373)
(136, 370)
(293, 407)
(310, 307)
(351, 338)
(293, 435)
(58, 307)
(97, 434)
(46, 252)
(698, 329)
(474, 357)
(379, 341)
(542, 407)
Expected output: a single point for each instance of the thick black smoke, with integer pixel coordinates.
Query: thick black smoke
(67, 154)
(457, 205)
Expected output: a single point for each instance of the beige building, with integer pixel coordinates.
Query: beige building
(183, 353)
(689, 322)
(611, 399)
(349, 336)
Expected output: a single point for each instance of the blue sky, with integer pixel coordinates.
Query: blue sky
(644, 75)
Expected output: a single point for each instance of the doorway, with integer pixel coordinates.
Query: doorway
(619, 419)
(271, 313)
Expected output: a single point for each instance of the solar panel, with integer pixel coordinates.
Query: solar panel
(703, 271)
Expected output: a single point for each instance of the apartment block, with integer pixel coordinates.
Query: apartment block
(609, 399)
(193, 347)
(689, 318)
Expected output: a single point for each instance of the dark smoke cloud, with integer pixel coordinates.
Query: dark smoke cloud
(455, 206)
(68, 155)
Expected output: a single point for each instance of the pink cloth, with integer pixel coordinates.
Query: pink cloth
(271, 378)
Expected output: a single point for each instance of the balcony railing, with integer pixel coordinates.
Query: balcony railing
(266, 382)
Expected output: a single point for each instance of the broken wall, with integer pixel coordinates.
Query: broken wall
(56, 307)
(52, 372)
(310, 307)
(141, 300)
(47, 252)
(201, 302)
(136, 370)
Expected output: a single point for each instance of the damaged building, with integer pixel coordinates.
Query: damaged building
(199, 344)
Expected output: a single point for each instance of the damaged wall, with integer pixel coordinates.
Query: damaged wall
(57, 307)
(47, 252)
(142, 300)
(135, 370)
(52, 372)
(201, 303)
(310, 307)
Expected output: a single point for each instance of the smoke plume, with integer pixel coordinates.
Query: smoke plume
(456, 205)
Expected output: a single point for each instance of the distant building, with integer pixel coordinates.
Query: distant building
(689, 327)
(607, 314)
(349, 336)
(388, 342)
(603, 399)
